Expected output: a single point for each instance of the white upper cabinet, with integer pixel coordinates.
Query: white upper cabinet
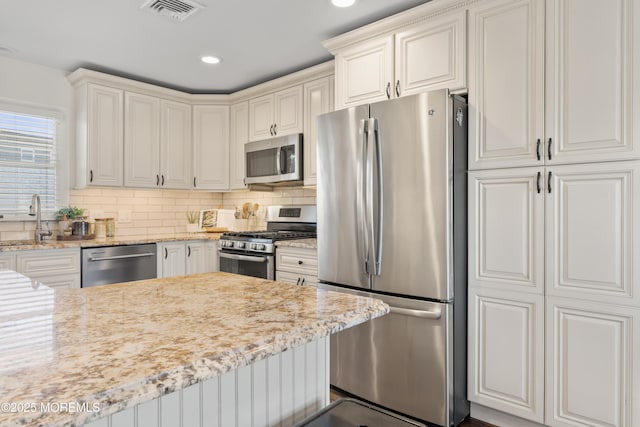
(364, 72)
(590, 80)
(430, 54)
(175, 145)
(99, 135)
(141, 140)
(506, 83)
(318, 99)
(239, 135)
(276, 114)
(569, 101)
(210, 147)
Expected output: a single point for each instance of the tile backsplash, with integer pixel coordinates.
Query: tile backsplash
(159, 212)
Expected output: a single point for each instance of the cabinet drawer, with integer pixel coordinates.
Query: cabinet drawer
(296, 279)
(46, 262)
(61, 281)
(8, 261)
(297, 260)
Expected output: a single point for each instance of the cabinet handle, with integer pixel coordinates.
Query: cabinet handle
(188, 250)
(549, 148)
(162, 179)
(166, 253)
(538, 149)
(275, 128)
(298, 282)
(549, 183)
(398, 88)
(388, 90)
(91, 175)
(538, 182)
(299, 262)
(194, 182)
(302, 283)
(271, 130)
(157, 180)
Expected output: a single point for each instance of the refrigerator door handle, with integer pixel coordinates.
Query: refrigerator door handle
(435, 315)
(377, 214)
(362, 204)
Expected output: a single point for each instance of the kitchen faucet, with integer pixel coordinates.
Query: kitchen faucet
(36, 209)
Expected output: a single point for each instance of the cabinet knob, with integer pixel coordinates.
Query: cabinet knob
(299, 261)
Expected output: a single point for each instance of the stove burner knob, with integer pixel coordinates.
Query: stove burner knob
(261, 247)
(240, 245)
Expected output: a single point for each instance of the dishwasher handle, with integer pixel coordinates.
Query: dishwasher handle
(107, 258)
(435, 315)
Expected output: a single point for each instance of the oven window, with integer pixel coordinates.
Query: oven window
(262, 163)
(246, 268)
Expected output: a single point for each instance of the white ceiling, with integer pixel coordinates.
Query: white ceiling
(257, 39)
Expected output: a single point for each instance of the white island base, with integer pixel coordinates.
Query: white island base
(278, 391)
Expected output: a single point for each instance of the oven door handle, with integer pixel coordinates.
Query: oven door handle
(243, 257)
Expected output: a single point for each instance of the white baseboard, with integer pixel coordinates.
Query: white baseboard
(498, 418)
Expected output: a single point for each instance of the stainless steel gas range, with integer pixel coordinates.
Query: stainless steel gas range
(252, 253)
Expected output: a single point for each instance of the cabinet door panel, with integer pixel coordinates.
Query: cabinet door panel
(196, 261)
(171, 259)
(175, 145)
(261, 118)
(431, 55)
(141, 140)
(506, 357)
(105, 136)
(288, 111)
(211, 147)
(318, 99)
(506, 67)
(592, 364)
(589, 98)
(239, 135)
(363, 73)
(591, 238)
(506, 229)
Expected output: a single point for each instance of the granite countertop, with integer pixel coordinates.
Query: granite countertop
(23, 245)
(112, 347)
(300, 243)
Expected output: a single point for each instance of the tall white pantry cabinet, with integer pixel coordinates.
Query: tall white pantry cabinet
(554, 202)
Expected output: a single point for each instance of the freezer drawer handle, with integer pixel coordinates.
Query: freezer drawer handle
(243, 257)
(416, 313)
(106, 258)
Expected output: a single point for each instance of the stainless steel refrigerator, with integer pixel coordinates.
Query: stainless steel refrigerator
(391, 199)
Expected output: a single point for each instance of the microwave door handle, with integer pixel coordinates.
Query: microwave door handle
(282, 155)
(377, 199)
(278, 161)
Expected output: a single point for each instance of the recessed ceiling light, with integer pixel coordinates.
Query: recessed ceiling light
(208, 59)
(343, 3)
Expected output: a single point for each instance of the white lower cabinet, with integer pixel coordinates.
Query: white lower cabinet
(186, 257)
(56, 268)
(593, 364)
(506, 352)
(297, 265)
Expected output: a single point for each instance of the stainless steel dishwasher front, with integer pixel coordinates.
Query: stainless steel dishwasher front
(115, 264)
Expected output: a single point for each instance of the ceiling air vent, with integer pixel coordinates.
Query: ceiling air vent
(178, 10)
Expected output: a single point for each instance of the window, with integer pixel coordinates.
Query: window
(28, 155)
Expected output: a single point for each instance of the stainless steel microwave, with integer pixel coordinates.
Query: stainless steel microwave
(274, 162)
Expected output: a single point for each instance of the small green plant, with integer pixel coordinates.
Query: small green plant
(193, 217)
(70, 212)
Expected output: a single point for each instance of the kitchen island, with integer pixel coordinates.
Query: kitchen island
(215, 348)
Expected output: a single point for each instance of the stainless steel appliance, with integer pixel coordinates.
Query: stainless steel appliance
(274, 162)
(352, 412)
(115, 264)
(392, 224)
(252, 253)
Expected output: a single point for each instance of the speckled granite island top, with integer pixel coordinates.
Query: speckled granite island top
(111, 347)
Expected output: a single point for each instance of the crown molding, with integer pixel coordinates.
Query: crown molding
(395, 22)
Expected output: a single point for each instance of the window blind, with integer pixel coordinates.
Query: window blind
(27, 162)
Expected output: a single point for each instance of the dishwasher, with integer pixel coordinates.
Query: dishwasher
(115, 264)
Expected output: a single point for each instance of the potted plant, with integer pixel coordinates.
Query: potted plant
(64, 215)
(192, 221)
